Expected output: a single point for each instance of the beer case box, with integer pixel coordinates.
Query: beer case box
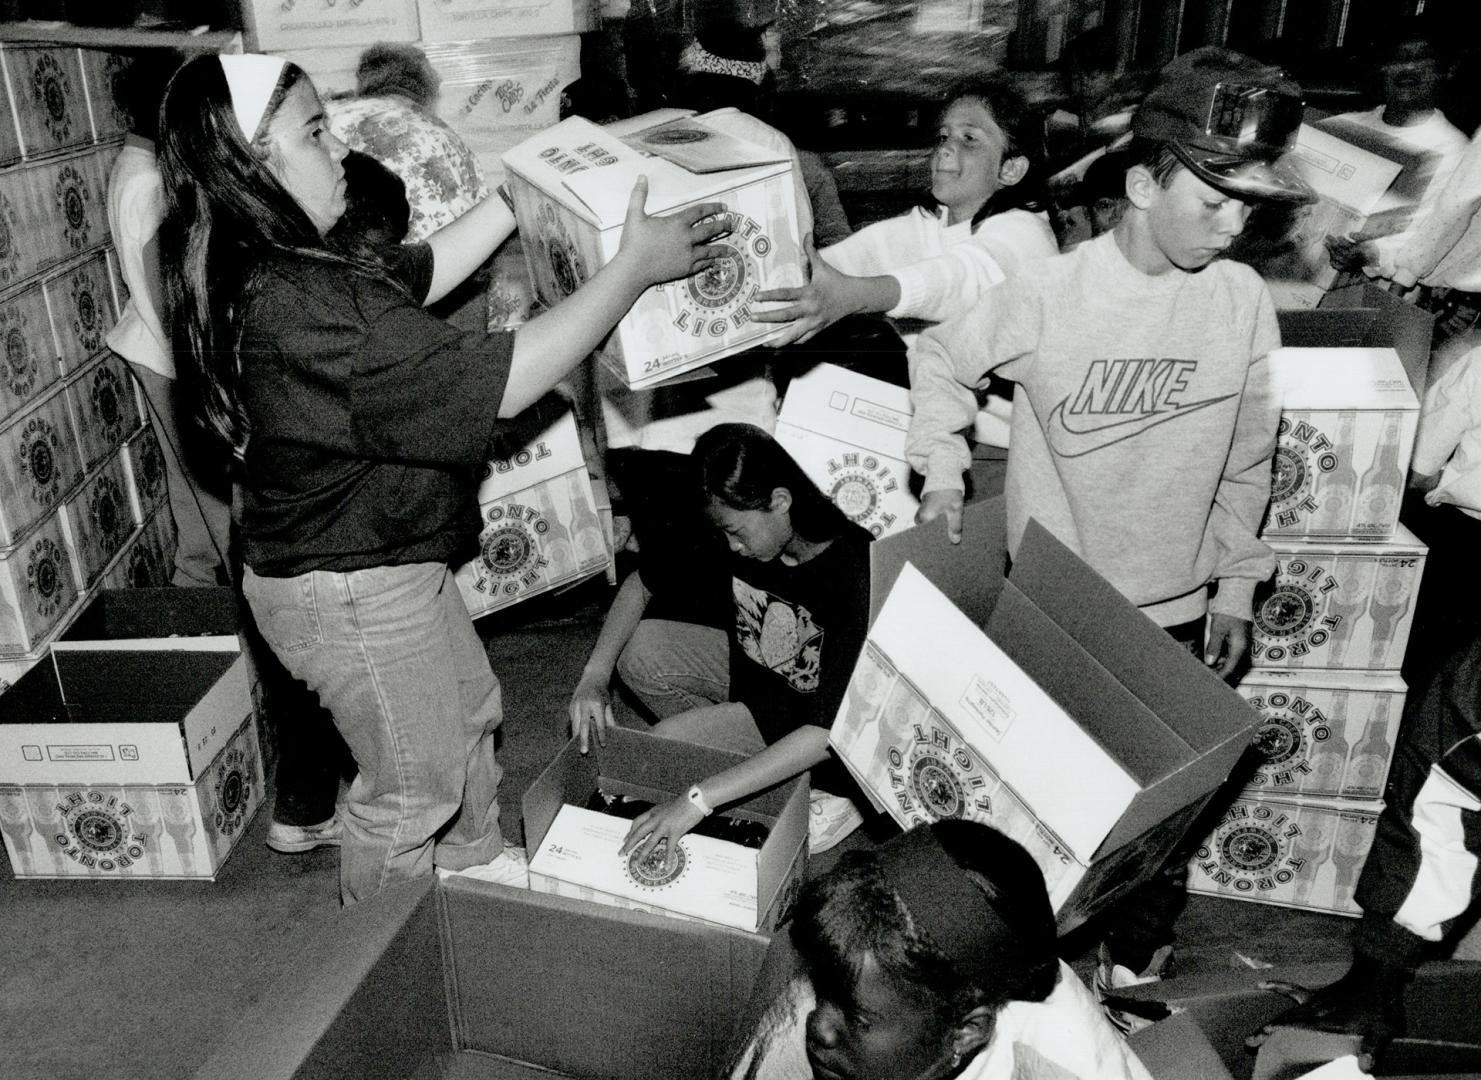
(129, 764)
(1290, 852)
(1073, 723)
(465, 20)
(154, 619)
(97, 521)
(101, 70)
(1338, 604)
(1327, 734)
(12, 670)
(847, 431)
(540, 528)
(10, 142)
(49, 98)
(144, 458)
(80, 300)
(148, 559)
(38, 587)
(1347, 428)
(271, 25)
(714, 881)
(28, 354)
(40, 465)
(570, 186)
(104, 400)
(72, 194)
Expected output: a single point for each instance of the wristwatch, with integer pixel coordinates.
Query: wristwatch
(697, 800)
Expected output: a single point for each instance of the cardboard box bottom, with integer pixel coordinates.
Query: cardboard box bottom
(135, 831)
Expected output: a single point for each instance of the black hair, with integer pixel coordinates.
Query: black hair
(1025, 138)
(1105, 178)
(139, 87)
(376, 210)
(394, 68)
(1154, 155)
(741, 465)
(225, 214)
(850, 912)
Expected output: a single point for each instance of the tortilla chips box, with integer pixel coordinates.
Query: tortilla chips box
(847, 431)
(1347, 428)
(1073, 723)
(540, 526)
(571, 184)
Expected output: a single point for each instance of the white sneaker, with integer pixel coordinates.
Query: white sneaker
(295, 839)
(830, 819)
(510, 867)
(1110, 977)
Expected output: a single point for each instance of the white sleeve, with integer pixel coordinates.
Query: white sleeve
(939, 288)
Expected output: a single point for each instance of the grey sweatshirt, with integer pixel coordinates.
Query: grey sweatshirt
(1143, 420)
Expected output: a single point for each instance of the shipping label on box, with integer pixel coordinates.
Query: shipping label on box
(38, 586)
(1300, 853)
(1324, 734)
(104, 400)
(82, 311)
(49, 98)
(1338, 605)
(1346, 432)
(540, 525)
(286, 24)
(39, 466)
(570, 187)
(28, 355)
(118, 831)
(148, 559)
(144, 458)
(710, 879)
(847, 431)
(97, 521)
(463, 20)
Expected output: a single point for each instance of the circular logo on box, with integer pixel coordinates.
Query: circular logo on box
(97, 831)
(854, 494)
(1290, 477)
(676, 136)
(151, 465)
(106, 395)
(106, 511)
(936, 784)
(1253, 849)
(9, 255)
(510, 555)
(233, 791)
(49, 88)
(88, 322)
(145, 566)
(654, 871)
(45, 567)
(1248, 849)
(507, 550)
(858, 483)
(39, 446)
(21, 369)
(562, 257)
(72, 197)
(938, 776)
(1286, 612)
(717, 290)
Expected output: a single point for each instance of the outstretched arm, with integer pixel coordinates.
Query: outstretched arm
(591, 708)
(463, 245)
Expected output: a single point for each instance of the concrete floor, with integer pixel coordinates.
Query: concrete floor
(136, 980)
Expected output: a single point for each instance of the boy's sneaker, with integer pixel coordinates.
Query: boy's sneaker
(295, 839)
(510, 867)
(1111, 976)
(830, 819)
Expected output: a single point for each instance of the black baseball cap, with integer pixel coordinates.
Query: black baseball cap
(1231, 120)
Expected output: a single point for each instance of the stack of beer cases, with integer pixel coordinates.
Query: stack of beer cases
(80, 475)
(1329, 636)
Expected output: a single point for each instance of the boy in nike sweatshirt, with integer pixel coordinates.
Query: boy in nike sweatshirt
(1143, 426)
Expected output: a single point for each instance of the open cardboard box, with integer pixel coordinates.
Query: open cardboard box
(1365, 316)
(165, 618)
(1074, 724)
(466, 980)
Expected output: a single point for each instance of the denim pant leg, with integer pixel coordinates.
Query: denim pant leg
(388, 651)
(673, 667)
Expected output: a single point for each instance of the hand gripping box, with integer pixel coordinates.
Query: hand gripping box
(1328, 734)
(128, 764)
(1299, 853)
(573, 851)
(571, 184)
(1073, 724)
(1347, 427)
(847, 431)
(540, 525)
(1338, 604)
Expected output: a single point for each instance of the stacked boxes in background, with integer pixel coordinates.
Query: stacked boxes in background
(1330, 633)
(70, 517)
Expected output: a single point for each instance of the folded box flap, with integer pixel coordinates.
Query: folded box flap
(969, 574)
(179, 678)
(1173, 684)
(864, 412)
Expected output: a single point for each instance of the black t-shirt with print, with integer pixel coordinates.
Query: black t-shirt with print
(798, 632)
(370, 419)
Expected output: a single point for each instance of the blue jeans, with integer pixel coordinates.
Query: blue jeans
(672, 667)
(394, 657)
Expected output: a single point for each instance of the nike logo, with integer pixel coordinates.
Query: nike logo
(1067, 441)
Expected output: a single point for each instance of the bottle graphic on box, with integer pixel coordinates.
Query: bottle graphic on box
(1335, 491)
(147, 825)
(179, 818)
(1370, 757)
(1329, 755)
(1311, 849)
(1393, 588)
(46, 814)
(1346, 603)
(1383, 482)
(586, 527)
(1349, 853)
(15, 823)
(557, 546)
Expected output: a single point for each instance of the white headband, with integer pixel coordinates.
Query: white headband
(252, 78)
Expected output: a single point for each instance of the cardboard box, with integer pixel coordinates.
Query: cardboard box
(1074, 724)
(38, 586)
(49, 100)
(154, 619)
(20, 206)
(101, 70)
(28, 355)
(1383, 321)
(571, 186)
(751, 890)
(1338, 604)
(540, 526)
(10, 143)
(1324, 733)
(286, 24)
(1298, 853)
(82, 311)
(462, 20)
(847, 431)
(39, 465)
(1347, 428)
(148, 560)
(144, 458)
(72, 194)
(466, 978)
(105, 401)
(12, 670)
(97, 522)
